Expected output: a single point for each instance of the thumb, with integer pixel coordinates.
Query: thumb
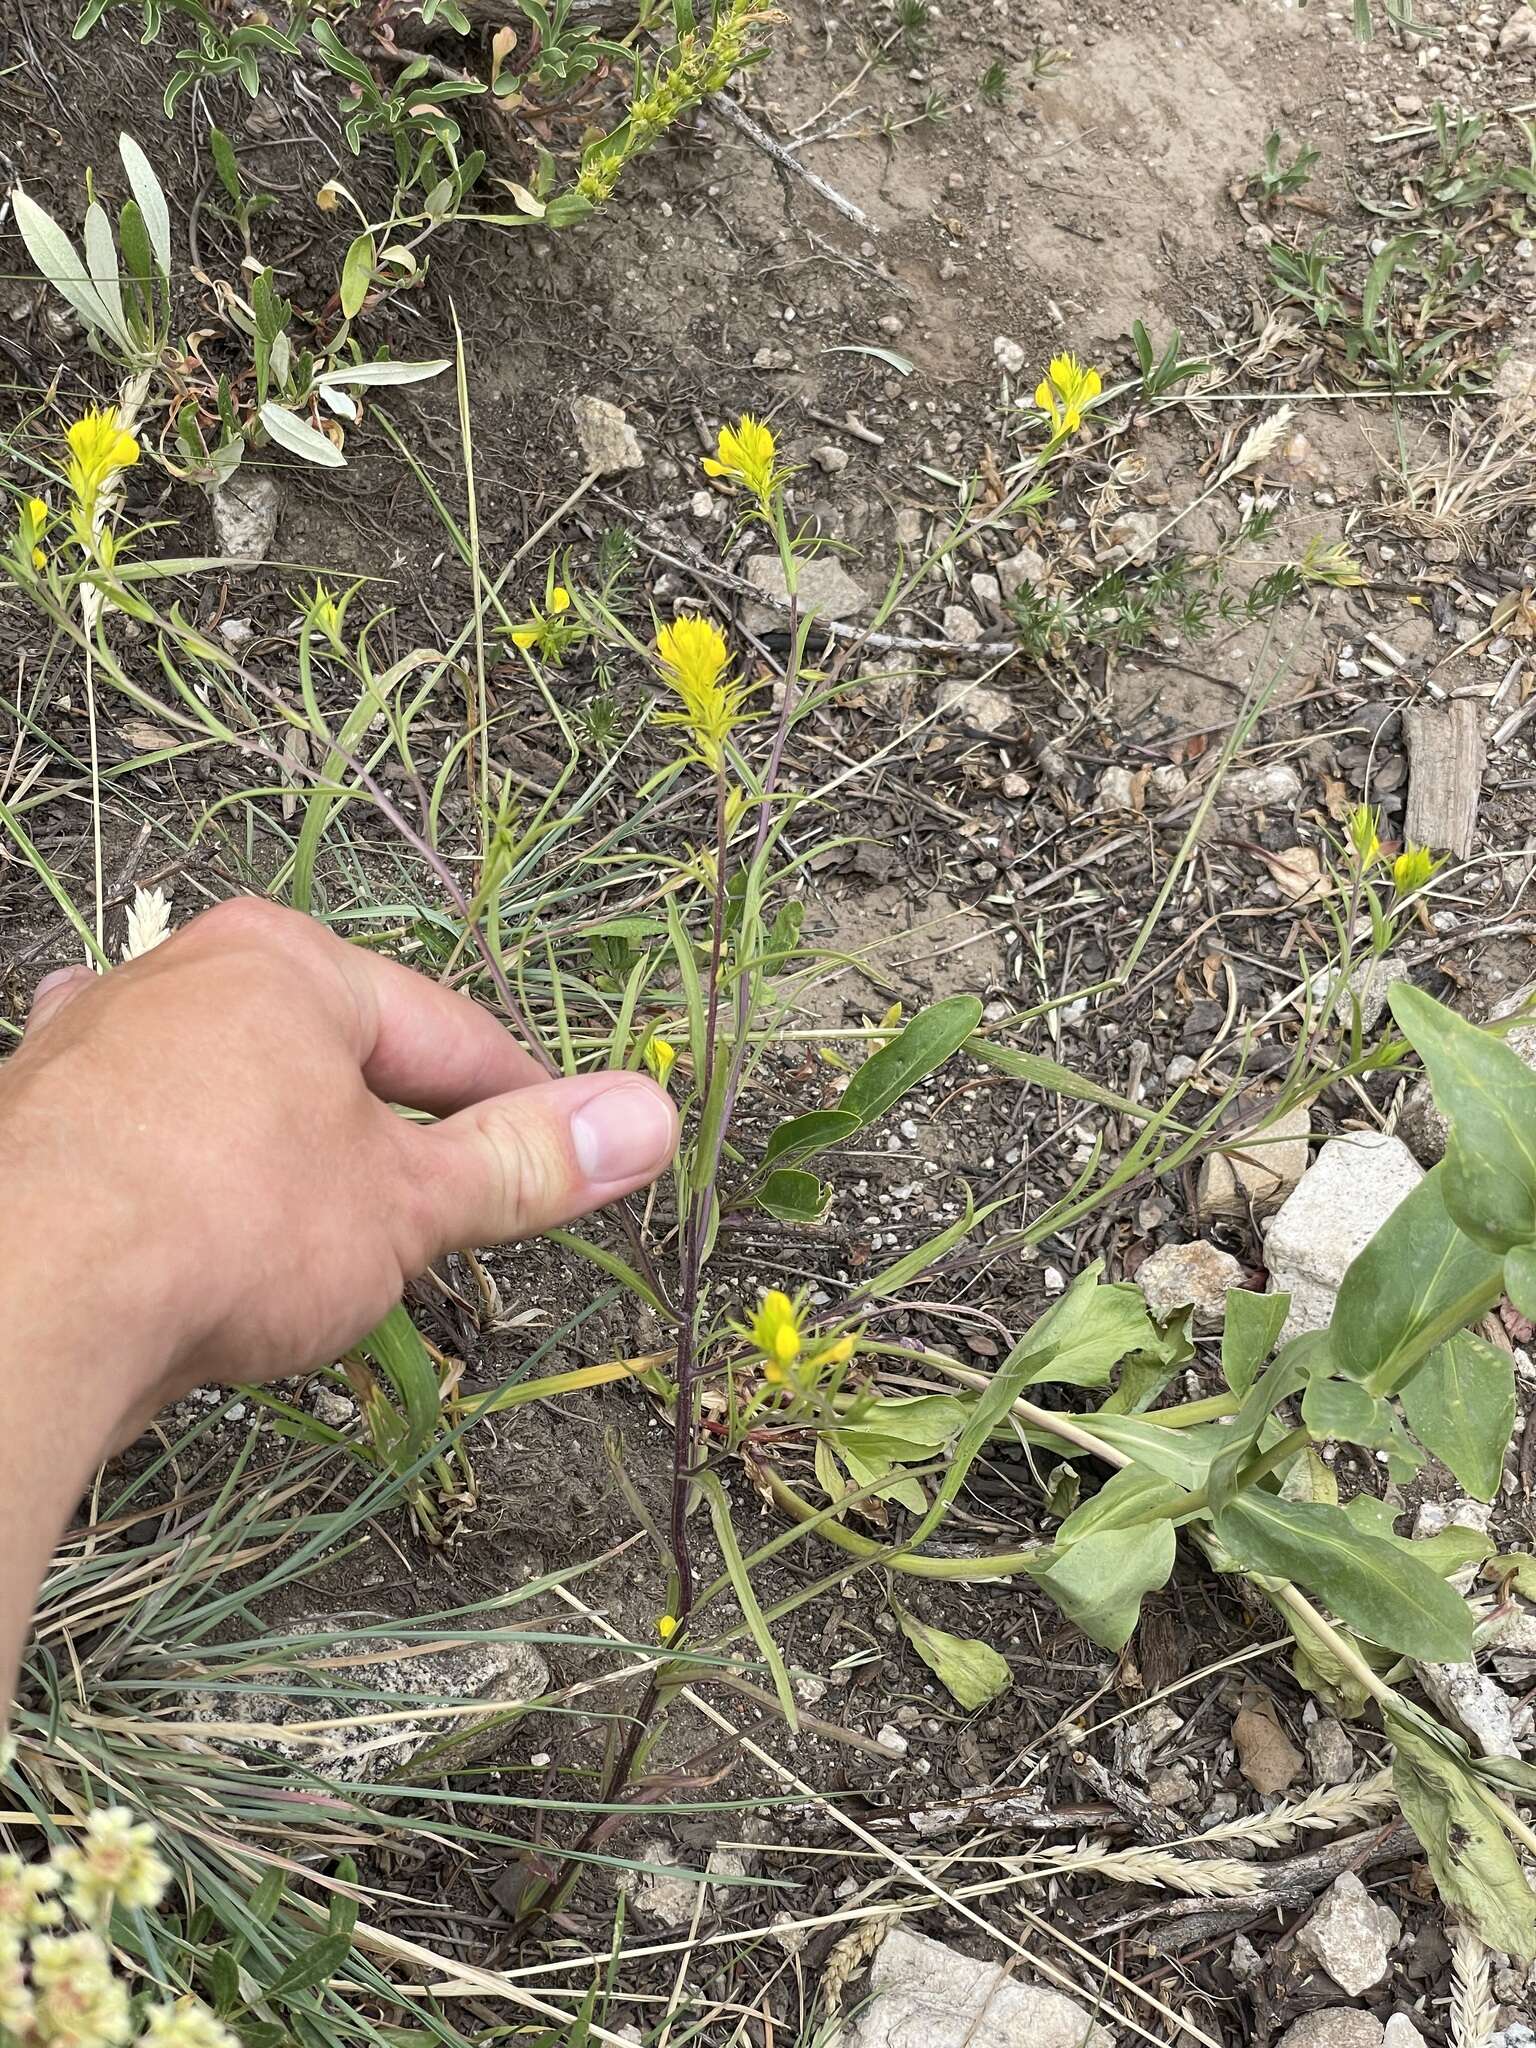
(54, 991)
(539, 1157)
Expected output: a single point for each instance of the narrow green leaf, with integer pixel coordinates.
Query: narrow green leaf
(148, 191)
(1417, 1282)
(222, 150)
(611, 1264)
(1470, 1856)
(1252, 1330)
(289, 431)
(1099, 1582)
(54, 254)
(1182, 1456)
(1377, 279)
(396, 1348)
(746, 1597)
(917, 1051)
(1488, 1095)
(1369, 1584)
(357, 274)
(967, 1667)
(802, 1136)
(383, 373)
(314, 1965)
(1461, 1407)
(101, 261)
(795, 1197)
(892, 1279)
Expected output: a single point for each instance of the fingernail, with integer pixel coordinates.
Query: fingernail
(625, 1133)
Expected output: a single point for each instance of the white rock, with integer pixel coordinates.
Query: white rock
(1420, 1125)
(925, 1995)
(1351, 1190)
(1336, 2026)
(1331, 1753)
(491, 1674)
(1271, 786)
(1519, 32)
(1014, 571)
(974, 705)
(336, 1411)
(987, 591)
(1368, 985)
(1178, 1275)
(1132, 538)
(830, 459)
(891, 1738)
(961, 626)
(1167, 786)
(1482, 1710)
(1257, 1175)
(1117, 790)
(1351, 1935)
(1402, 2033)
(608, 442)
(663, 1896)
(826, 588)
(702, 504)
(1244, 1960)
(245, 514)
(1008, 355)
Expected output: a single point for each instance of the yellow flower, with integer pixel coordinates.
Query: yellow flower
(1413, 868)
(98, 449)
(1066, 388)
(837, 1353)
(186, 2024)
(660, 1057)
(25, 1901)
(78, 2000)
(541, 629)
(744, 455)
(116, 1864)
(31, 527)
(776, 1331)
(666, 1626)
(1363, 830)
(694, 661)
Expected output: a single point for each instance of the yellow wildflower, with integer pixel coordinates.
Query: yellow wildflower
(1363, 830)
(666, 1626)
(1067, 387)
(541, 629)
(744, 455)
(777, 1333)
(79, 2003)
(98, 450)
(116, 1864)
(31, 528)
(660, 1057)
(25, 1901)
(186, 2024)
(694, 661)
(837, 1353)
(1414, 867)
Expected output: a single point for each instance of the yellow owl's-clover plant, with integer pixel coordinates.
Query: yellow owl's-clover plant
(100, 448)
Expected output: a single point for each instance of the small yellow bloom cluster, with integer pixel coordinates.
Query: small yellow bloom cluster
(660, 1058)
(99, 450)
(666, 1626)
(1414, 868)
(744, 455)
(58, 1988)
(777, 1332)
(1362, 828)
(31, 532)
(541, 629)
(1066, 390)
(695, 662)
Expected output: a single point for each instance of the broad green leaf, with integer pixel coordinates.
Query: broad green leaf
(1378, 277)
(1521, 1566)
(916, 1051)
(289, 431)
(802, 1136)
(314, 1965)
(873, 1471)
(1308, 1478)
(1520, 1279)
(1244, 1433)
(1127, 1497)
(1417, 1282)
(910, 1428)
(1252, 1330)
(1460, 1405)
(1080, 1339)
(1100, 1580)
(1343, 1412)
(357, 274)
(1182, 1456)
(1373, 1586)
(1488, 1095)
(969, 1668)
(1448, 1550)
(383, 373)
(149, 192)
(795, 1197)
(1470, 1856)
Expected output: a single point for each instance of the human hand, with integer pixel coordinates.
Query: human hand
(204, 1178)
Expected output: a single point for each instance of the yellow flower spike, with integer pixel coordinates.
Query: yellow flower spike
(98, 450)
(745, 455)
(1363, 831)
(1414, 867)
(1066, 390)
(694, 662)
(776, 1329)
(660, 1057)
(666, 1626)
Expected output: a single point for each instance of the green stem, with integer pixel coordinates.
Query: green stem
(1195, 1503)
(1002, 1564)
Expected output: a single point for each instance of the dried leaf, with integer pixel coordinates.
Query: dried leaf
(1298, 873)
(1266, 1756)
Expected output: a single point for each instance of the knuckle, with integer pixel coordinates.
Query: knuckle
(243, 918)
(526, 1168)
